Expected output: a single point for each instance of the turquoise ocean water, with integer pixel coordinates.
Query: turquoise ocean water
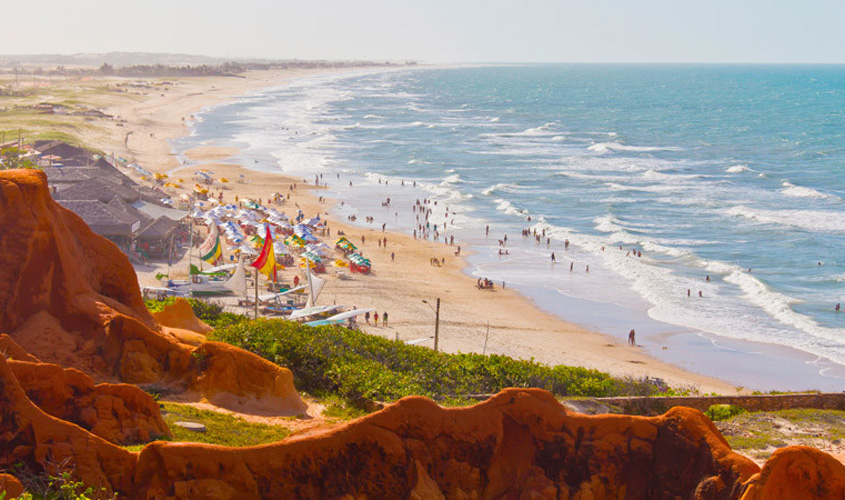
(705, 170)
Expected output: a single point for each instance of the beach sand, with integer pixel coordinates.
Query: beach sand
(517, 327)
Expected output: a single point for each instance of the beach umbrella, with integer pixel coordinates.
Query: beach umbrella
(223, 179)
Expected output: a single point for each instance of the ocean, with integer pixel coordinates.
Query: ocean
(724, 180)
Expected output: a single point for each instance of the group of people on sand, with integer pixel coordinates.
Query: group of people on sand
(384, 318)
(484, 284)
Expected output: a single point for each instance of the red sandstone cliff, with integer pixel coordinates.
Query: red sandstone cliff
(70, 297)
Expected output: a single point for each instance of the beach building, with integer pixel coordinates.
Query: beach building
(102, 220)
(97, 189)
(154, 240)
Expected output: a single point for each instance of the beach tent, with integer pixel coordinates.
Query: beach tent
(294, 240)
(345, 244)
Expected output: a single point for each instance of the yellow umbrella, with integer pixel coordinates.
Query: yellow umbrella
(223, 179)
(180, 180)
(143, 178)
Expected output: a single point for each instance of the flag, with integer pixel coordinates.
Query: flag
(266, 262)
(211, 251)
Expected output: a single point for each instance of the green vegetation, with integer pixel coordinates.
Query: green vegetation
(221, 428)
(355, 366)
(60, 486)
(757, 434)
(723, 412)
(12, 157)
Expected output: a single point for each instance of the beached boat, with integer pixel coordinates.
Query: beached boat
(199, 285)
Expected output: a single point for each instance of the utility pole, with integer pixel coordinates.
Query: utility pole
(256, 294)
(437, 325)
(484, 352)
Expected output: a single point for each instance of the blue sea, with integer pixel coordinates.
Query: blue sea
(728, 180)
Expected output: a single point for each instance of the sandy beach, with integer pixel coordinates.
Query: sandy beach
(516, 326)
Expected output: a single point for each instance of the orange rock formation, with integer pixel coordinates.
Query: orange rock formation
(181, 315)
(798, 472)
(70, 297)
(120, 413)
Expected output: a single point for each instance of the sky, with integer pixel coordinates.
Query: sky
(729, 31)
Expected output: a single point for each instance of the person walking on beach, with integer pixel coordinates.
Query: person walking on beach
(632, 338)
(375, 318)
(367, 317)
(553, 257)
(384, 319)
(392, 257)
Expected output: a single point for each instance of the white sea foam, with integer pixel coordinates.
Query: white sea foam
(607, 224)
(604, 147)
(451, 179)
(810, 220)
(657, 188)
(495, 119)
(496, 188)
(508, 208)
(736, 169)
(801, 192)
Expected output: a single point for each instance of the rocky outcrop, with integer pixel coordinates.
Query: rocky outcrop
(10, 485)
(11, 349)
(519, 444)
(798, 472)
(180, 315)
(71, 297)
(38, 442)
(119, 413)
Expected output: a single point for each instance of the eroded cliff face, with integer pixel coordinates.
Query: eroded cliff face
(520, 444)
(70, 297)
(119, 413)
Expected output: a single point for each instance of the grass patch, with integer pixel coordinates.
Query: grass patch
(221, 428)
(751, 432)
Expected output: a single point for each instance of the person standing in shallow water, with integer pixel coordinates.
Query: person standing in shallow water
(632, 338)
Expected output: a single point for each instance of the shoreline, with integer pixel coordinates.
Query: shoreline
(518, 327)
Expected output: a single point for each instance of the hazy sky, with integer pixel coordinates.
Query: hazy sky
(438, 30)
